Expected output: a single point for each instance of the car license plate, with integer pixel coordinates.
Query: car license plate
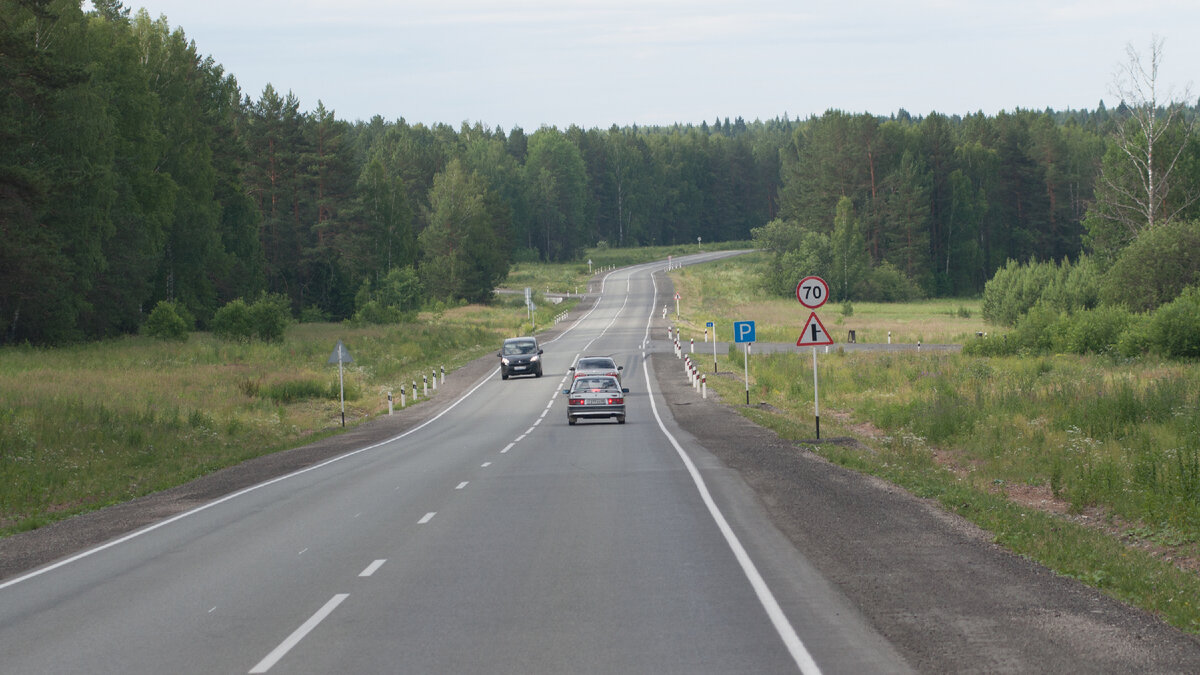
(518, 367)
(595, 401)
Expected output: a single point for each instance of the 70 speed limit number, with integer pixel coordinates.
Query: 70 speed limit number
(812, 292)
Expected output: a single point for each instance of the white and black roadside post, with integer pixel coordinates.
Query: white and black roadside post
(676, 306)
(391, 408)
(425, 386)
(812, 292)
(402, 396)
(414, 391)
(443, 374)
(339, 356)
(435, 382)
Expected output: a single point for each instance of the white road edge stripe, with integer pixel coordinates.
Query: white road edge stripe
(372, 568)
(295, 638)
(804, 661)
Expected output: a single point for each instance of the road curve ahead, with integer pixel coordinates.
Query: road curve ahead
(493, 538)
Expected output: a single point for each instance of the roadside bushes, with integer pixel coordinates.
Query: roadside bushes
(397, 297)
(168, 321)
(1172, 331)
(264, 320)
(1017, 288)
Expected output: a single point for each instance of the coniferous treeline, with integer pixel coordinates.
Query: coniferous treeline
(135, 170)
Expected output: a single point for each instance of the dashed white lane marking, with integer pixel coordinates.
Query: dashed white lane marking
(485, 465)
(427, 517)
(462, 485)
(520, 438)
(372, 568)
(527, 432)
(295, 638)
(301, 551)
(507, 448)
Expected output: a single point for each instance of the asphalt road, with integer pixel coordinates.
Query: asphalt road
(493, 538)
(479, 533)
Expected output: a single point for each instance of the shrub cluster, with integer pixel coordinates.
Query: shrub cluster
(1016, 289)
(168, 321)
(264, 320)
(1172, 330)
(397, 297)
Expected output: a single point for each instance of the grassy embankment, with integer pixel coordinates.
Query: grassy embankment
(1090, 465)
(85, 426)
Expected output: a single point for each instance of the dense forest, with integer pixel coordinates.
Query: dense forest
(133, 170)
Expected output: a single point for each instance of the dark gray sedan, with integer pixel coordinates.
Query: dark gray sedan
(595, 397)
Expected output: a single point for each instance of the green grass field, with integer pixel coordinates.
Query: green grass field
(85, 426)
(1090, 465)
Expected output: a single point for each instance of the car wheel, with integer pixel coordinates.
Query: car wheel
(620, 419)
(539, 373)
(571, 420)
(503, 375)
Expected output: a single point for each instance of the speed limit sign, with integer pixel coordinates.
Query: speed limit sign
(812, 292)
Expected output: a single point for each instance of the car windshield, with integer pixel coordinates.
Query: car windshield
(518, 348)
(595, 384)
(595, 364)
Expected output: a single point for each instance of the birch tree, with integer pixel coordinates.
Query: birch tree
(1136, 189)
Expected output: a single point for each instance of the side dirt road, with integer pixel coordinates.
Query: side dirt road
(931, 583)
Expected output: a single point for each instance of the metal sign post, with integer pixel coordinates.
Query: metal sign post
(714, 332)
(812, 292)
(743, 331)
(816, 394)
(339, 356)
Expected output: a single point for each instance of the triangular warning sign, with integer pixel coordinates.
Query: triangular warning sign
(814, 333)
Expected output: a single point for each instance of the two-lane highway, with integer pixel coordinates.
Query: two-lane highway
(494, 538)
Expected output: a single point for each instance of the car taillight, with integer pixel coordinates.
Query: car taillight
(574, 401)
(616, 401)
(613, 374)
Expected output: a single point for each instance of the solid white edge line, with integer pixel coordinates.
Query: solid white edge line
(372, 568)
(295, 638)
(800, 655)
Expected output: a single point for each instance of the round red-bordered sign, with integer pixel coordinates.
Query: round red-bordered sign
(812, 292)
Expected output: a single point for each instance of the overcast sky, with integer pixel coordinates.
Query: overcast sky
(656, 62)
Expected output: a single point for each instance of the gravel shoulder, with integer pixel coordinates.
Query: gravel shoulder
(932, 583)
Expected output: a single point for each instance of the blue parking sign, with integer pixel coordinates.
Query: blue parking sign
(743, 331)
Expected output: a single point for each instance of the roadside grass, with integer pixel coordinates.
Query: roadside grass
(729, 290)
(85, 426)
(90, 425)
(1089, 465)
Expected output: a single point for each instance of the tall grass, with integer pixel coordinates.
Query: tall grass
(1114, 440)
(731, 290)
(90, 425)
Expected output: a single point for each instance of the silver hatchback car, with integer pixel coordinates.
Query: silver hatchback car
(595, 397)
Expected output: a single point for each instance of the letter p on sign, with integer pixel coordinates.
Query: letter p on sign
(743, 331)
